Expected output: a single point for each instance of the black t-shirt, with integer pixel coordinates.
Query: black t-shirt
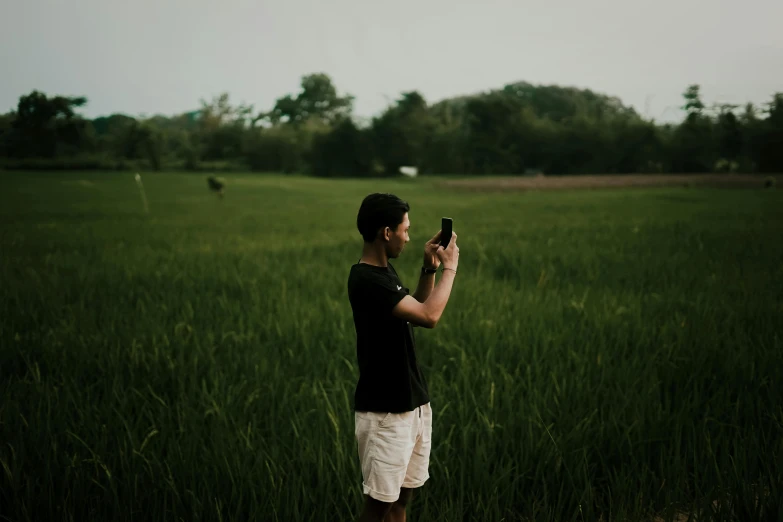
(390, 379)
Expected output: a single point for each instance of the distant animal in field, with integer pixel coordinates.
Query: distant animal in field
(216, 185)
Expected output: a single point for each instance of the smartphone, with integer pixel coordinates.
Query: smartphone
(445, 232)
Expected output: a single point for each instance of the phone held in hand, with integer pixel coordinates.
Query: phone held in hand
(445, 234)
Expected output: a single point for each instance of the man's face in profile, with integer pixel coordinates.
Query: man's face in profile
(398, 238)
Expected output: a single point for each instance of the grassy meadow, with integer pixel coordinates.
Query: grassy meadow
(605, 354)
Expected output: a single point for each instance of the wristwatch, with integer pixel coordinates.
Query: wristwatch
(425, 270)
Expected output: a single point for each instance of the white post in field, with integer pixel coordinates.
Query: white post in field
(143, 195)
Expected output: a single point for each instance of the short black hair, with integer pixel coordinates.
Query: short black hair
(380, 211)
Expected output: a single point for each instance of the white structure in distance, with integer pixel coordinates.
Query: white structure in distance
(411, 172)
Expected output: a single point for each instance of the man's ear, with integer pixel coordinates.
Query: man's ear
(386, 234)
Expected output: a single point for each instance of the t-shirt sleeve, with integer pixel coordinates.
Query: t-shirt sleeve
(384, 292)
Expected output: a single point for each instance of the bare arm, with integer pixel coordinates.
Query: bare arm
(431, 260)
(428, 313)
(424, 288)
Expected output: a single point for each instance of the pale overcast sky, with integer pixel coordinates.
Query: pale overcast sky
(163, 56)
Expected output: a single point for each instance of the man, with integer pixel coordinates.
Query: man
(393, 418)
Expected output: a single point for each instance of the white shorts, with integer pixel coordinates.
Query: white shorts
(394, 450)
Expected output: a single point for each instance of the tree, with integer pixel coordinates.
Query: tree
(492, 123)
(6, 128)
(219, 111)
(693, 104)
(770, 137)
(317, 99)
(220, 129)
(114, 135)
(730, 139)
(561, 104)
(44, 127)
(402, 133)
(692, 147)
(447, 151)
(344, 151)
(520, 128)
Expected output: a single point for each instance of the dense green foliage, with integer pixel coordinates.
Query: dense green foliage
(605, 355)
(517, 129)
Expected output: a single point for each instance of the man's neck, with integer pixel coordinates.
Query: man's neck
(374, 254)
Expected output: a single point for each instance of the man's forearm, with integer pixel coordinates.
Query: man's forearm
(436, 302)
(424, 288)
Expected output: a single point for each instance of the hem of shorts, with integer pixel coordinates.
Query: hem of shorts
(415, 484)
(377, 495)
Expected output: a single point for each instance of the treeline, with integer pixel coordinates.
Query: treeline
(518, 129)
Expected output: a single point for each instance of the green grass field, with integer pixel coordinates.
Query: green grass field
(605, 354)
